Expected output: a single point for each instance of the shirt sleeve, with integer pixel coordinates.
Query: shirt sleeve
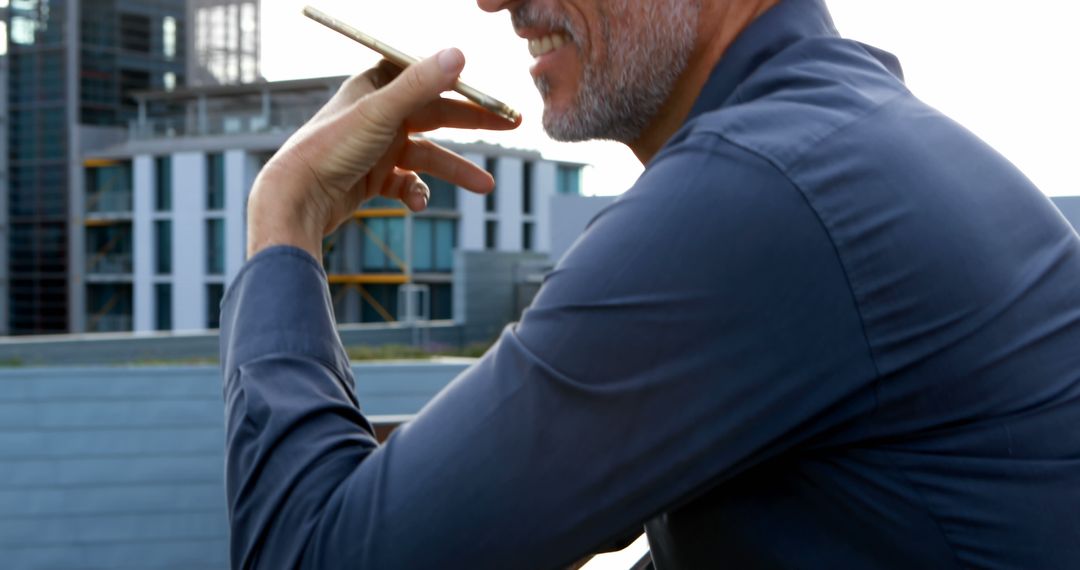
(701, 325)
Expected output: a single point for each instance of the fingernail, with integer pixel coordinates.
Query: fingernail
(450, 60)
(421, 189)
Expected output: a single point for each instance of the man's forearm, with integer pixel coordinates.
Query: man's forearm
(294, 431)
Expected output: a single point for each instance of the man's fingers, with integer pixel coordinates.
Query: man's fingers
(425, 156)
(456, 115)
(406, 186)
(416, 87)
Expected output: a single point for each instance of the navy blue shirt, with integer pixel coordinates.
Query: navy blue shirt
(827, 328)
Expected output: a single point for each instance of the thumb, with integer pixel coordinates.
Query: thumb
(418, 85)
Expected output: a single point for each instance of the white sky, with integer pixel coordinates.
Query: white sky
(1005, 69)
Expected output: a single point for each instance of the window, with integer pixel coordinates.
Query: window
(135, 33)
(380, 304)
(433, 244)
(108, 249)
(108, 307)
(491, 234)
(163, 306)
(215, 181)
(335, 254)
(108, 188)
(168, 37)
(163, 184)
(384, 245)
(214, 293)
(163, 247)
(23, 30)
(132, 80)
(441, 302)
(215, 246)
(445, 242)
(527, 236)
(568, 179)
(443, 193)
(423, 252)
(489, 200)
(526, 188)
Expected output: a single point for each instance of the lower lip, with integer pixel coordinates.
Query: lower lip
(549, 59)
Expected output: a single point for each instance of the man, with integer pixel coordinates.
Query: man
(827, 328)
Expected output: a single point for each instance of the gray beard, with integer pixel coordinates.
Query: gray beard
(618, 102)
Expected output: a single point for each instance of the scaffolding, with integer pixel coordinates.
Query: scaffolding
(399, 272)
(108, 237)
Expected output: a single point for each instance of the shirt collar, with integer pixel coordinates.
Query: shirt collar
(782, 25)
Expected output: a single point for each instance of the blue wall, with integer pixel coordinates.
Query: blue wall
(122, 467)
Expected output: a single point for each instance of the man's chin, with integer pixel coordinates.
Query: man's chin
(562, 127)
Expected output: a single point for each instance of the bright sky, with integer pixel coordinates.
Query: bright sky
(1005, 69)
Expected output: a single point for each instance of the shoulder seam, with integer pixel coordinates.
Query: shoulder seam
(828, 232)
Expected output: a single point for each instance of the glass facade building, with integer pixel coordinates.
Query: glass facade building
(225, 46)
(74, 66)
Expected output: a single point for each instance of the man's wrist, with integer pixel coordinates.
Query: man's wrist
(277, 215)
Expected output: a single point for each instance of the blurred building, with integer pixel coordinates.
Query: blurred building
(72, 66)
(163, 224)
(70, 70)
(224, 46)
(4, 174)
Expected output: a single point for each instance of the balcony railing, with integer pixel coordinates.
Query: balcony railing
(284, 120)
(109, 323)
(111, 264)
(109, 203)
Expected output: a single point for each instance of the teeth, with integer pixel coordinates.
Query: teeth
(547, 44)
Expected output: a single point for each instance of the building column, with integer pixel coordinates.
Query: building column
(76, 238)
(143, 243)
(471, 208)
(544, 181)
(189, 253)
(508, 202)
(239, 176)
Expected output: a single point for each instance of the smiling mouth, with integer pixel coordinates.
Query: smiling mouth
(542, 46)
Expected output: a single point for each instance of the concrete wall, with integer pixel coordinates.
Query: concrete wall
(125, 348)
(471, 207)
(488, 290)
(568, 217)
(508, 202)
(143, 242)
(189, 241)
(123, 467)
(544, 181)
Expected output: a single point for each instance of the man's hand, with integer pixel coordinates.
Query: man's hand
(358, 147)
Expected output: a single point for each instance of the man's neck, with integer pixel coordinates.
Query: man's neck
(720, 23)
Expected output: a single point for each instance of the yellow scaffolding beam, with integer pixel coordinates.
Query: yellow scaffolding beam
(367, 297)
(380, 213)
(376, 305)
(99, 162)
(382, 246)
(109, 305)
(103, 251)
(368, 279)
(104, 223)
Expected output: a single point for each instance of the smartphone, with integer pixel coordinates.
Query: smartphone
(402, 60)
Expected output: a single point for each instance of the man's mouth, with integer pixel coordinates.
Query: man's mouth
(544, 45)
